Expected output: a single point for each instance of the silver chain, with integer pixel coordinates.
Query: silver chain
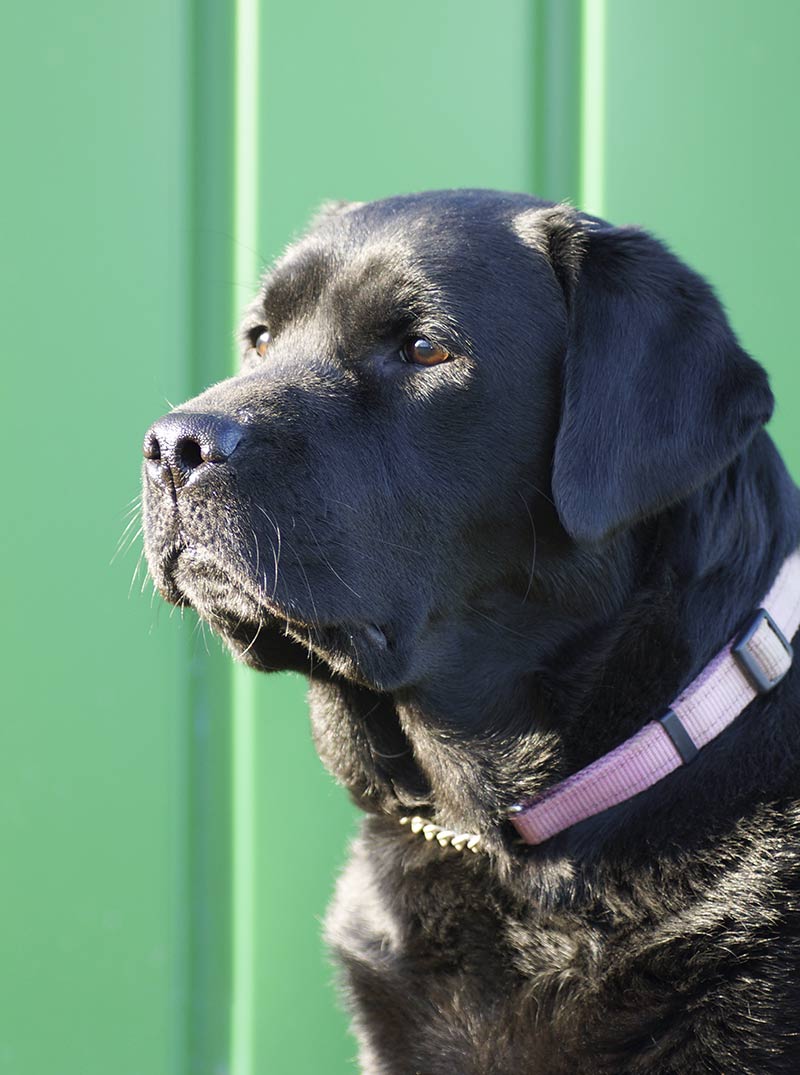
(447, 837)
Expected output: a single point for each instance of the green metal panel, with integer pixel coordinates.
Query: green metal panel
(169, 836)
(93, 776)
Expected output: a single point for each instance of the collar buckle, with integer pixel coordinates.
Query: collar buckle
(763, 652)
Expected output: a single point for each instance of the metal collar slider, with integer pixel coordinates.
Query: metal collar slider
(763, 653)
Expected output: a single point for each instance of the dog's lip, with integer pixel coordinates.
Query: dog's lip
(169, 587)
(164, 578)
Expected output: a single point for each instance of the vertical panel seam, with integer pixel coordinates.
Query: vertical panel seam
(243, 694)
(207, 910)
(557, 99)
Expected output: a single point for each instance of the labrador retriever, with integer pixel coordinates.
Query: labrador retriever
(494, 476)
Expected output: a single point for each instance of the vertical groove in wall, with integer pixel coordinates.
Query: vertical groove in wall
(557, 97)
(593, 106)
(209, 190)
(245, 272)
(536, 89)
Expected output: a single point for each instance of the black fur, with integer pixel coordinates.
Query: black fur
(493, 570)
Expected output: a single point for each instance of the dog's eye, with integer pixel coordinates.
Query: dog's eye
(262, 342)
(422, 352)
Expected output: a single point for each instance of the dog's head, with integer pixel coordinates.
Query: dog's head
(448, 403)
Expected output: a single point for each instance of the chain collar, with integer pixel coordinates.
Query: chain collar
(461, 841)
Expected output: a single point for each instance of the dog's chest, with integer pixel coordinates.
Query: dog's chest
(447, 973)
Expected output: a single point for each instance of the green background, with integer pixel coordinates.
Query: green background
(168, 837)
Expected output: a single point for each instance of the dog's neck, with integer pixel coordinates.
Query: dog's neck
(600, 647)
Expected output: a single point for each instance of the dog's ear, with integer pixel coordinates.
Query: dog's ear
(657, 394)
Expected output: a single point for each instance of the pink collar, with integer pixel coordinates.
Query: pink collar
(751, 664)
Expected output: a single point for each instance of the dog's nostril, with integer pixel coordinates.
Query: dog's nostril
(181, 444)
(188, 454)
(151, 447)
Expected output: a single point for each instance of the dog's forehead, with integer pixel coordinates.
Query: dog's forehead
(339, 269)
(391, 262)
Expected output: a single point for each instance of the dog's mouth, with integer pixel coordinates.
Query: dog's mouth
(250, 620)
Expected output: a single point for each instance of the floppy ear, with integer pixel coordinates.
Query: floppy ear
(657, 394)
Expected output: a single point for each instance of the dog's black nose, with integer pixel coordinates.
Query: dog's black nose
(178, 445)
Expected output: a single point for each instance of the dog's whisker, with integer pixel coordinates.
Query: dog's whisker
(389, 757)
(134, 517)
(276, 562)
(229, 235)
(327, 561)
(152, 581)
(253, 641)
(276, 555)
(540, 492)
(133, 504)
(257, 551)
(135, 574)
(126, 543)
(333, 500)
(131, 513)
(496, 623)
(308, 584)
(133, 522)
(200, 628)
(375, 542)
(533, 555)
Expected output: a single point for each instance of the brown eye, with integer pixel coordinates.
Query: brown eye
(262, 342)
(423, 352)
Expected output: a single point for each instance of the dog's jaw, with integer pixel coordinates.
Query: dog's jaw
(225, 595)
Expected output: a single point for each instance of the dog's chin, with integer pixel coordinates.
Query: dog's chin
(269, 636)
(360, 653)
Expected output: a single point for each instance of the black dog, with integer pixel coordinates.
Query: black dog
(494, 476)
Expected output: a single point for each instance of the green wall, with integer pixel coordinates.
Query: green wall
(701, 141)
(93, 760)
(168, 837)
